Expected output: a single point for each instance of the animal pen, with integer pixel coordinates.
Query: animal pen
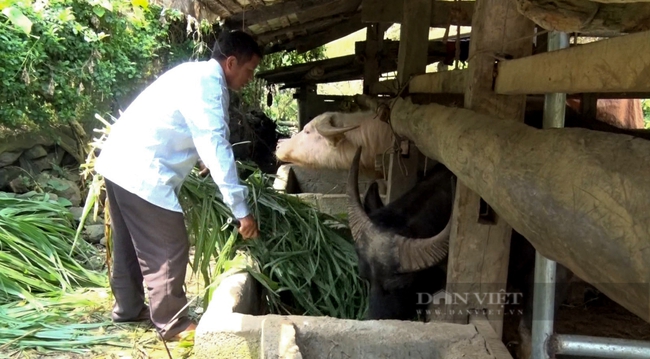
(577, 195)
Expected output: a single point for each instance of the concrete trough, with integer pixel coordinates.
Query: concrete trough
(232, 328)
(237, 325)
(325, 189)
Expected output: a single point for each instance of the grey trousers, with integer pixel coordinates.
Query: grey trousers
(150, 243)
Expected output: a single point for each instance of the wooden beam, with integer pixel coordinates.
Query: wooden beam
(385, 87)
(319, 24)
(323, 37)
(620, 64)
(232, 5)
(439, 82)
(479, 245)
(274, 11)
(329, 9)
(493, 341)
(344, 68)
(441, 12)
(215, 7)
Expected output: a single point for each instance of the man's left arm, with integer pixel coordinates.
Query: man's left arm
(207, 117)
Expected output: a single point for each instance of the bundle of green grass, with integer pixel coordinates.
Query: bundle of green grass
(305, 258)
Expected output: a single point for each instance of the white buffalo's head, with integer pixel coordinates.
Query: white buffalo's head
(330, 141)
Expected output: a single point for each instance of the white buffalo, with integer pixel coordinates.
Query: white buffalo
(330, 141)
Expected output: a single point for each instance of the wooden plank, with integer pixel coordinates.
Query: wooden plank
(439, 82)
(493, 341)
(441, 12)
(479, 245)
(274, 11)
(620, 64)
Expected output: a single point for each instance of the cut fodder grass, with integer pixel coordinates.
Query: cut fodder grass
(36, 250)
(77, 324)
(305, 258)
(70, 321)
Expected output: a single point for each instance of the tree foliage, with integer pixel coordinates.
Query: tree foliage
(63, 60)
(283, 106)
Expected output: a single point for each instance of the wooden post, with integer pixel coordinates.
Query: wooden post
(413, 39)
(411, 60)
(588, 105)
(303, 97)
(371, 68)
(480, 240)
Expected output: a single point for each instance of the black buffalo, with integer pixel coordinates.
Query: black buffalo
(402, 247)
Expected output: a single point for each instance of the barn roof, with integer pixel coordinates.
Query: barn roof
(306, 24)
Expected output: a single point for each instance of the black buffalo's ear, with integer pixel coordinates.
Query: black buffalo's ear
(371, 200)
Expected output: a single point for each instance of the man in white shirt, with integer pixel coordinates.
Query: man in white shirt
(180, 118)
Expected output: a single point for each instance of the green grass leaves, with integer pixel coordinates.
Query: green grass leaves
(35, 242)
(305, 258)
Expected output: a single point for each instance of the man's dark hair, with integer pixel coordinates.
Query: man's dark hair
(235, 43)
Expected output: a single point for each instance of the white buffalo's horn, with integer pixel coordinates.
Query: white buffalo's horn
(325, 127)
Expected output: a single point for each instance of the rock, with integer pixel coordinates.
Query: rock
(29, 166)
(43, 164)
(103, 241)
(35, 152)
(94, 233)
(19, 185)
(7, 158)
(8, 174)
(64, 188)
(77, 212)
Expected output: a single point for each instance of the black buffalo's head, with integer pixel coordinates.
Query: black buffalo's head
(402, 246)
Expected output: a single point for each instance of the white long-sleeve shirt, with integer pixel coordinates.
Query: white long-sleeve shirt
(181, 117)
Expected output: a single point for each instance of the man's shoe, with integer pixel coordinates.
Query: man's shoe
(142, 317)
(186, 335)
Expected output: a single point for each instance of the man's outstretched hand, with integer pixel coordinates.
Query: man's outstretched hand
(248, 227)
(203, 171)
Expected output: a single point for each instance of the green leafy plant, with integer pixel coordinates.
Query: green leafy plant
(66, 60)
(646, 112)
